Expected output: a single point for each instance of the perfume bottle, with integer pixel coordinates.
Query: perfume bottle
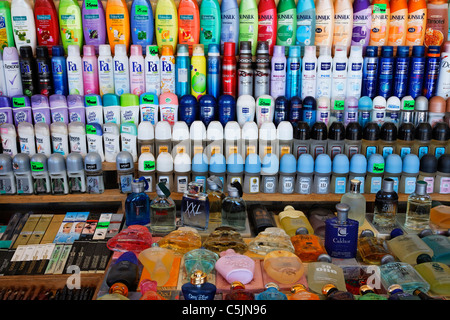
(331, 292)
(260, 218)
(182, 240)
(271, 239)
(437, 274)
(291, 220)
(356, 201)
(137, 204)
(308, 247)
(158, 263)
(396, 293)
(372, 249)
(200, 259)
(283, 266)
(423, 296)
(367, 293)
(407, 247)
(318, 217)
(272, 292)
(195, 207)
(149, 290)
(117, 292)
(163, 211)
(341, 234)
(198, 288)
(215, 195)
(124, 271)
(394, 272)
(299, 292)
(418, 208)
(135, 238)
(238, 292)
(439, 243)
(234, 208)
(233, 266)
(386, 205)
(223, 238)
(324, 272)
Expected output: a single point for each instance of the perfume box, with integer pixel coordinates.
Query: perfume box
(14, 223)
(105, 255)
(5, 258)
(39, 230)
(27, 230)
(52, 229)
(64, 234)
(88, 255)
(90, 226)
(61, 263)
(115, 225)
(15, 261)
(48, 249)
(102, 226)
(26, 259)
(54, 258)
(35, 259)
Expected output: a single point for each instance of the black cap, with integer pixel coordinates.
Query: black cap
(371, 131)
(336, 131)
(42, 52)
(296, 100)
(26, 52)
(422, 258)
(282, 100)
(423, 131)
(406, 132)
(441, 131)
(444, 163)
(428, 163)
(319, 131)
(353, 131)
(301, 130)
(388, 131)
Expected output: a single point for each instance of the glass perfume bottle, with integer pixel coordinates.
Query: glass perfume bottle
(117, 292)
(318, 217)
(163, 211)
(372, 249)
(181, 240)
(291, 220)
(135, 238)
(137, 204)
(158, 263)
(238, 292)
(367, 293)
(195, 207)
(271, 239)
(394, 272)
(356, 201)
(423, 296)
(439, 243)
(341, 234)
(234, 208)
(308, 247)
(272, 292)
(385, 207)
(324, 272)
(233, 266)
(260, 218)
(124, 271)
(200, 259)
(198, 288)
(437, 274)
(299, 292)
(215, 197)
(396, 293)
(223, 238)
(283, 266)
(332, 293)
(149, 290)
(407, 247)
(418, 208)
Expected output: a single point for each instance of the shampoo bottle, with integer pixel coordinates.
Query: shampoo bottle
(230, 24)
(23, 24)
(46, 19)
(70, 24)
(188, 23)
(142, 24)
(248, 23)
(210, 23)
(94, 23)
(166, 24)
(117, 24)
(267, 23)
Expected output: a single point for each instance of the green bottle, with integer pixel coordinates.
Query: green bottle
(286, 23)
(6, 33)
(248, 23)
(210, 23)
(70, 24)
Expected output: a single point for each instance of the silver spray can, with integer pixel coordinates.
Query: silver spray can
(262, 71)
(245, 71)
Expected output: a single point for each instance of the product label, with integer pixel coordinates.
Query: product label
(342, 29)
(286, 22)
(380, 19)
(423, 150)
(434, 34)
(404, 151)
(375, 185)
(361, 27)
(340, 185)
(387, 151)
(6, 186)
(269, 184)
(397, 27)
(24, 185)
(182, 183)
(125, 183)
(444, 186)
(430, 184)
(37, 166)
(248, 26)
(287, 184)
(324, 28)
(253, 184)
(410, 185)
(370, 150)
(323, 185)
(94, 184)
(304, 185)
(305, 30)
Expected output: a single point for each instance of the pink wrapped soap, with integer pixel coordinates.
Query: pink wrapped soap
(233, 266)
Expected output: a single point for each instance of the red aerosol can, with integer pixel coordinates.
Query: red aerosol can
(229, 76)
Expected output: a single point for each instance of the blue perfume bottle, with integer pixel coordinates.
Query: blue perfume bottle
(137, 204)
(195, 207)
(341, 234)
(272, 292)
(198, 288)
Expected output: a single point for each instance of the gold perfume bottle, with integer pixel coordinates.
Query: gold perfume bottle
(372, 249)
(308, 247)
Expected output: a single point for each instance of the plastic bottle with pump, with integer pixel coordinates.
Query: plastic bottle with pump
(309, 72)
(137, 72)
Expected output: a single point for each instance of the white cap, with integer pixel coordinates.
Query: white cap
(325, 50)
(58, 127)
(285, 131)
(250, 131)
(356, 50)
(323, 103)
(25, 128)
(379, 101)
(268, 131)
(146, 130)
(310, 50)
(120, 50)
(164, 162)
(104, 49)
(182, 162)
(163, 130)
(232, 130)
(198, 130)
(393, 104)
(111, 128)
(180, 131)
(40, 128)
(76, 127)
(340, 51)
(214, 131)
(144, 157)
(73, 50)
